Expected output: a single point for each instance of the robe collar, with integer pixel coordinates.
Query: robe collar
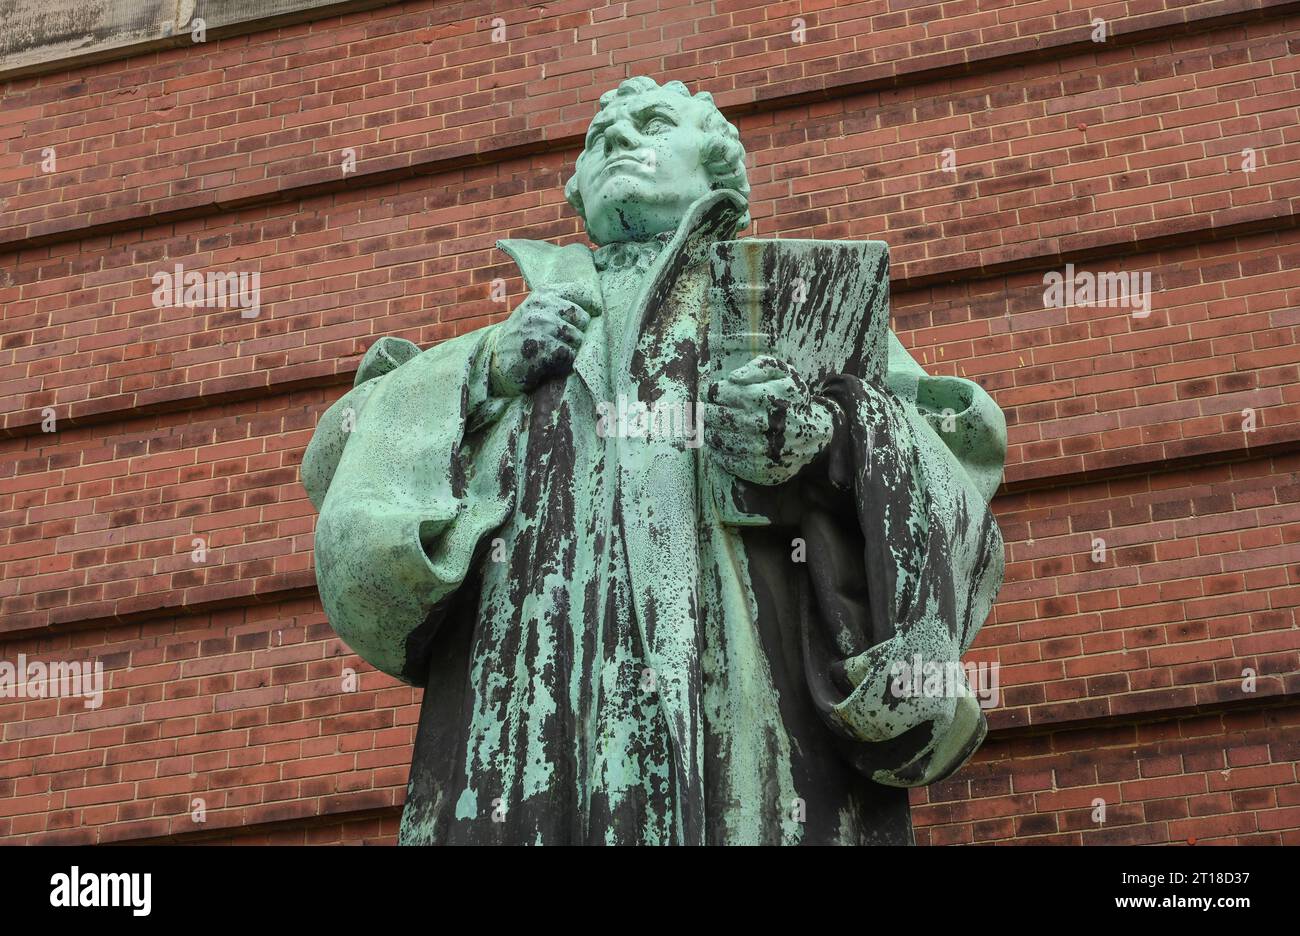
(631, 254)
(571, 269)
(574, 265)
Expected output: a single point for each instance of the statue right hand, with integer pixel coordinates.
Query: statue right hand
(540, 339)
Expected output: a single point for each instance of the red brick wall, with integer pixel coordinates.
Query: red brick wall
(1121, 679)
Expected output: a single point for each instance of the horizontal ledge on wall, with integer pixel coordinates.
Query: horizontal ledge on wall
(177, 398)
(1205, 16)
(1149, 706)
(155, 26)
(990, 57)
(360, 806)
(1154, 457)
(289, 586)
(222, 824)
(198, 599)
(1152, 236)
(1217, 226)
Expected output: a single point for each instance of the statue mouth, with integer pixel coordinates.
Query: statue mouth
(619, 162)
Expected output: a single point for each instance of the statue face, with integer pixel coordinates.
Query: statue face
(641, 167)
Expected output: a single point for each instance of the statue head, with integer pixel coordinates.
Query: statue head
(651, 151)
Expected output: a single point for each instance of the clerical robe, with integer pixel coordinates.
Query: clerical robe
(604, 660)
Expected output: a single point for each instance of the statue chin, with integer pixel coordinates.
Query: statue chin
(627, 208)
(631, 220)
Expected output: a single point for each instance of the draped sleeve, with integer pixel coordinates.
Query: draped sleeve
(411, 471)
(905, 561)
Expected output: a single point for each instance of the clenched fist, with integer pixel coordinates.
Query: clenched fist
(763, 425)
(540, 339)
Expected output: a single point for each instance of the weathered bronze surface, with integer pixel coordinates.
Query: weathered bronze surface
(657, 545)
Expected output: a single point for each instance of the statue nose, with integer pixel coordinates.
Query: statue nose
(620, 135)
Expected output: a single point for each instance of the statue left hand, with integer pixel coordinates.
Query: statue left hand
(762, 423)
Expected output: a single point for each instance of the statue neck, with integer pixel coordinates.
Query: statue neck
(625, 254)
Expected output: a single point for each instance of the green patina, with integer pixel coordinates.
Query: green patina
(619, 639)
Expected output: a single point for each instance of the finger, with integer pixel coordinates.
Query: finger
(762, 368)
(746, 454)
(741, 466)
(731, 447)
(734, 420)
(727, 431)
(556, 358)
(725, 393)
(558, 329)
(751, 396)
(572, 313)
(570, 335)
(744, 422)
(790, 391)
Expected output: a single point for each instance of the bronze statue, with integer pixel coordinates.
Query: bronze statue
(656, 545)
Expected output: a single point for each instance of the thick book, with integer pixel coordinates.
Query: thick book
(821, 306)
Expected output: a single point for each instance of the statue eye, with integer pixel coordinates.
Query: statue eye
(656, 123)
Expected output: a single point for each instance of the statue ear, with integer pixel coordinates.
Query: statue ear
(572, 195)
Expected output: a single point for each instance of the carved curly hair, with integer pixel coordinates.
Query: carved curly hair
(723, 154)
